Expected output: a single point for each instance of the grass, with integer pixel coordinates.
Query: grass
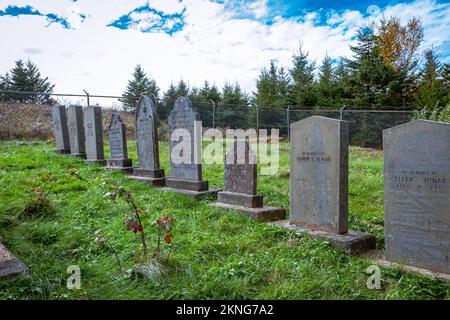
(217, 254)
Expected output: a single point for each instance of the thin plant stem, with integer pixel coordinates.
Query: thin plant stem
(115, 254)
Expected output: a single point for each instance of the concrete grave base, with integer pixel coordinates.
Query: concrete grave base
(190, 193)
(378, 258)
(78, 155)
(10, 266)
(61, 151)
(240, 199)
(100, 162)
(352, 242)
(158, 173)
(157, 182)
(124, 165)
(261, 214)
(190, 185)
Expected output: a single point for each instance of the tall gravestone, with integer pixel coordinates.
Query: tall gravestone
(240, 177)
(319, 183)
(185, 151)
(76, 131)
(94, 134)
(319, 174)
(118, 145)
(60, 129)
(417, 194)
(147, 144)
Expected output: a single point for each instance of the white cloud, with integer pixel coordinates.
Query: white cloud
(212, 45)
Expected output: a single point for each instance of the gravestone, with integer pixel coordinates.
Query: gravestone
(76, 131)
(10, 266)
(240, 177)
(94, 135)
(417, 194)
(319, 174)
(147, 144)
(319, 183)
(118, 145)
(185, 163)
(60, 129)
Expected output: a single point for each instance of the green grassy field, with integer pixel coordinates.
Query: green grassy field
(217, 254)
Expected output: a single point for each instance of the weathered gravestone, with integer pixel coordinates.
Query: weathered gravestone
(76, 131)
(10, 266)
(94, 135)
(61, 130)
(185, 151)
(319, 183)
(147, 144)
(118, 145)
(417, 194)
(240, 176)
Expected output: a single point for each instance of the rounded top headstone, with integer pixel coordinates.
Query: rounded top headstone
(183, 104)
(145, 108)
(116, 120)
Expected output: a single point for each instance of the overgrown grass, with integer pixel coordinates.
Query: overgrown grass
(217, 254)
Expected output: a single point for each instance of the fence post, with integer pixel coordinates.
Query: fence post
(257, 124)
(87, 97)
(288, 111)
(341, 111)
(213, 114)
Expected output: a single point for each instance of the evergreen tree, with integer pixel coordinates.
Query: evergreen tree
(326, 86)
(139, 85)
(272, 87)
(26, 77)
(169, 97)
(302, 74)
(432, 91)
(182, 89)
(372, 81)
(233, 111)
(343, 92)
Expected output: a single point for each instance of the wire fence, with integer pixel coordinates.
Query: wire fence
(27, 116)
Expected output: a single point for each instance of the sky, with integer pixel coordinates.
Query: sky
(95, 44)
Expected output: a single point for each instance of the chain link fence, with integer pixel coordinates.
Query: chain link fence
(27, 116)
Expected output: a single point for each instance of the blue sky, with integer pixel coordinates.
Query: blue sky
(94, 44)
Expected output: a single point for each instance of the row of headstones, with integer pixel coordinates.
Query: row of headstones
(417, 169)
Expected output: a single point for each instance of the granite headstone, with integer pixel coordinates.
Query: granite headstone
(76, 131)
(185, 175)
(147, 140)
(319, 174)
(94, 134)
(417, 194)
(60, 129)
(118, 145)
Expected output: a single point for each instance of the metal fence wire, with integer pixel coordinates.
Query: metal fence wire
(27, 116)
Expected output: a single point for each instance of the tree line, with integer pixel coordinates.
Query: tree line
(387, 70)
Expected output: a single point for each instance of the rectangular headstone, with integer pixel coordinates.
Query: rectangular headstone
(118, 143)
(60, 129)
(147, 139)
(76, 130)
(94, 134)
(417, 194)
(319, 174)
(181, 121)
(240, 172)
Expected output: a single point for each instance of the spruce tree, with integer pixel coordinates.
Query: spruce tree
(26, 77)
(139, 85)
(233, 110)
(182, 89)
(302, 74)
(432, 90)
(326, 86)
